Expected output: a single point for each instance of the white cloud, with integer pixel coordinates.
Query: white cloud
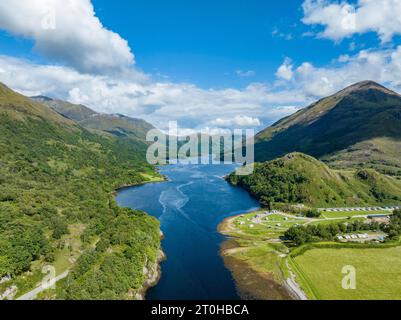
(185, 132)
(283, 111)
(383, 66)
(91, 55)
(342, 20)
(97, 70)
(157, 102)
(194, 107)
(241, 121)
(245, 74)
(285, 70)
(67, 31)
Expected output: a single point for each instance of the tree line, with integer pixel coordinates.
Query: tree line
(327, 232)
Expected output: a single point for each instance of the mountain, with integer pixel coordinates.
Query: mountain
(19, 107)
(301, 179)
(119, 125)
(115, 124)
(69, 110)
(57, 207)
(359, 126)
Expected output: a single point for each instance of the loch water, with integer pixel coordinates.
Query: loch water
(190, 206)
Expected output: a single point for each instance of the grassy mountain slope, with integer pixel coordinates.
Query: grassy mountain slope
(381, 154)
(340, 128)
(72, 111)
(19, 107)
(299, 178)
(117, 125)
(56, 205)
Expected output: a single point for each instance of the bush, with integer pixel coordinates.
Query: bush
(313, 213)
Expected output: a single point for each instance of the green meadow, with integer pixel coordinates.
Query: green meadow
(377, 273)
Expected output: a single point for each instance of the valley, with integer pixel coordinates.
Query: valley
(62, 164)
(190, 205)
(168, 155)
(329, 179)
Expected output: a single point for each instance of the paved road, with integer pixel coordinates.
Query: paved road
(287, 215)
(32, 294)
(361, 209)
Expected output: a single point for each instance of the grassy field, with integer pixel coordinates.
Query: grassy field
(262, 257)
(342, 214)
(318, 271)
(378, 273)
(327, 222)
(273, 228)
(70, 250)
(257, 259)
(152, 177)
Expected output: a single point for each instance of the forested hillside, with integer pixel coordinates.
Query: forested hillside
(57, 207)
(116, 124)
(300, 179)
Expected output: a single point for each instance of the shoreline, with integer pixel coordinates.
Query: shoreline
(163, 178)
(153, 272)
(153, 275)
(252, 284)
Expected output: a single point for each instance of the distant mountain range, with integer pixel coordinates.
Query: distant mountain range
(359, 126)
(115, 124)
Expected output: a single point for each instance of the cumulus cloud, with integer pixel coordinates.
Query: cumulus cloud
(383, 66)
(285, 71)
(342, 20)
(241, 121)
(92, 55)
(194, 107)
(212, 131)
(157, 102)
(69, 32)
(91, 65)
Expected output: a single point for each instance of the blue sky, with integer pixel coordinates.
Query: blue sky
(207, 42)
(205, 63)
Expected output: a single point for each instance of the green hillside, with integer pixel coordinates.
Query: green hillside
(358, 127)
(72, 111)
(56, 204)
(300, 179)
(119, 125)
(115, 124)
(18, 107)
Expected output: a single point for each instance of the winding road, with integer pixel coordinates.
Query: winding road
(32, 294)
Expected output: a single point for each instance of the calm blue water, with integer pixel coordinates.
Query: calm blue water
(190, 206)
